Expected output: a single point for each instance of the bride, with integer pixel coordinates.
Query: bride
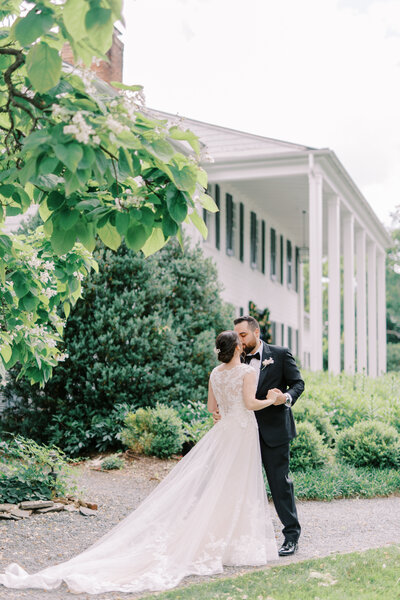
(211, 509)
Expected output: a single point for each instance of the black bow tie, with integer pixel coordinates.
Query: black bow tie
(249, 357)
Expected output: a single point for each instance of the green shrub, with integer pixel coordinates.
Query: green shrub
(370, 444)
(169, 302)
(393, 356)
(29, 471)
(308, 410)
(307, 450)
(154, 431)
(195, 430)
(114, 461)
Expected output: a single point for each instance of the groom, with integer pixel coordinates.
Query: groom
(278, 372)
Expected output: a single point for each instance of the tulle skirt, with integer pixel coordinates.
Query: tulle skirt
(211, 510)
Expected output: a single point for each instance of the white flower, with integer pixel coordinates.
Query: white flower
(267, 361)
(34, 262)
(79, 128)
(96, 140)
(115, 125)
(61, 357)
(49, 265)
(49, 292)
(44, 277)
(80, 276)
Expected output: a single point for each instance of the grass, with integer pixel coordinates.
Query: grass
(369, 575)
(339, 480)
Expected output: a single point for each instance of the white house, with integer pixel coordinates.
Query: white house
(282, 204)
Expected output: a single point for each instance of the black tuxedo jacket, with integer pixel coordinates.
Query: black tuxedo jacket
(276, 423)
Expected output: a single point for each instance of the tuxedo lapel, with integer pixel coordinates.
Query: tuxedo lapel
(266, 354)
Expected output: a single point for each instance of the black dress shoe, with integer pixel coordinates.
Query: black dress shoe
(288, 547)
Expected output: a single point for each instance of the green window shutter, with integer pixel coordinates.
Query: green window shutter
(281, 259)
(241, 232)
(263, 246)
(289, 262)
(229, 225)
(253, 240)
(273, 253)
(217, 218)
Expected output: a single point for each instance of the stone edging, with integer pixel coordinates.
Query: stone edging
(22, 510)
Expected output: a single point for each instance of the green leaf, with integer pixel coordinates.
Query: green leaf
(86, 235)
(185, 178)
(32, 26)
(68, 218)
(37, 139)
(99, 26)
(21, 286)
(136, 236)
(48, 165)
(67, 308)
(6, 352)
(176, 203)
(44, 211)
(122, 220)
(208, 203)
(88, 157)
(162, 149)
(62, 241)
(55, 200)
(74, 14)
(169, 226)
(43, 65)
(72, 183)
(2, 272)
(110, 236)
(155, 242)
(29, 302)
(123, 86)
(69, 154)
(187, 135)
(199, 224)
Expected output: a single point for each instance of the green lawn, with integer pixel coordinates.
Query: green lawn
(370, 575)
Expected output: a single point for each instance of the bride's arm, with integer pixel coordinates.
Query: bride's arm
(249, 393)
(211, 402)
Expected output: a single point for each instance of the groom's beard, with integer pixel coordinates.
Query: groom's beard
(248, 348)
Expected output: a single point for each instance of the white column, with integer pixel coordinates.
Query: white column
(300, 349)
(349, 323)
(315, 229)
(372, 335)
(334, 285)
(381, 310)
(361, 270)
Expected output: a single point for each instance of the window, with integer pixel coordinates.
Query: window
(290, 338)
(217, 218)
(253, 240)
(241, 232)
(296, 268)
(281, 259)
(282, 334)
(263, 247)
(230, 236)
(273, 254)
(273, 332)
(289, 263)
(241, 311)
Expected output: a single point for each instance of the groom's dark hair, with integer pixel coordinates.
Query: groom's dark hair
(253, 323)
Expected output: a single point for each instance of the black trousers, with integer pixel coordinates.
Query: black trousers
(276, 465)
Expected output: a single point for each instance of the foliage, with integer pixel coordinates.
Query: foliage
(370, 444)
(392, 287)
(114, 461)
(308, 410)
(197, 428)
(368, 575)
(340, 480)
(154, 431)
(307, 450)
(93, 158)
(143, 333)
(29, 471)
(262, 316)
(349, 399)
(393, 356)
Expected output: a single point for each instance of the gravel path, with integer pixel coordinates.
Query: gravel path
(37, 542)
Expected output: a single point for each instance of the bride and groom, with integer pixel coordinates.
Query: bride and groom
(211, 510)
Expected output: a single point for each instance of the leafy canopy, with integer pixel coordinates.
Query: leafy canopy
(97, 163)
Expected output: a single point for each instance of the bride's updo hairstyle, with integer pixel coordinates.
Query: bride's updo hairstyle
(225, 345)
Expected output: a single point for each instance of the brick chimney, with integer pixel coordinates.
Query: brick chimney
(107, 71)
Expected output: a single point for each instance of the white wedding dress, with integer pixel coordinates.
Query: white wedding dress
(211, 510)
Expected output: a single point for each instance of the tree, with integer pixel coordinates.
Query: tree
(393, 296)
(143, 333)
(93, 158)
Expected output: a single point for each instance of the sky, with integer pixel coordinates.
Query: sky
(323, 73)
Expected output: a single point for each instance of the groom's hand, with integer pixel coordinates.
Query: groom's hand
(280, 396)
(216, 416)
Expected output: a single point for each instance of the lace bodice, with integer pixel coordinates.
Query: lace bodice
(227, 385)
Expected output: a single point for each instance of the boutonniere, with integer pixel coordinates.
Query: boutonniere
(267, 361)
